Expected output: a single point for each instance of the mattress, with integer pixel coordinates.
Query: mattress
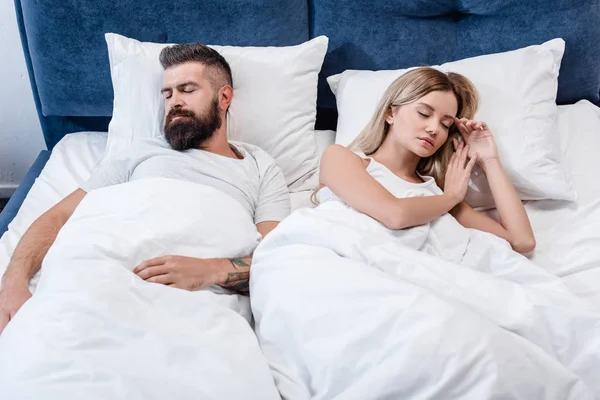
(567, 234)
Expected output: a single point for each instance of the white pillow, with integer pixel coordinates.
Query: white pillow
(517, 91)
(273, 107)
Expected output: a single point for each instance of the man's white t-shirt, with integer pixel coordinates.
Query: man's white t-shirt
(255, 181)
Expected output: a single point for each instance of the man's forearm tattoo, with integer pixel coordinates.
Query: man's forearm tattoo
(239, 281)
(239, 262)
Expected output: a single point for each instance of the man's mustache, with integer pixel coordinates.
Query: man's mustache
(178, 112)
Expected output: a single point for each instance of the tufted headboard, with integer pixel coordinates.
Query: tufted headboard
(67, 60)
(383, 34)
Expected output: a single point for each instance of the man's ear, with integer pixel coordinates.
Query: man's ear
(225, 97)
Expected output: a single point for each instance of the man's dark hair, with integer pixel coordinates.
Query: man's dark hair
(217, 70)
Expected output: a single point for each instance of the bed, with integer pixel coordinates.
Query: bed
(69, 69)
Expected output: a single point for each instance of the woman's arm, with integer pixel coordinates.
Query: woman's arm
(514, 224)
(344, 173)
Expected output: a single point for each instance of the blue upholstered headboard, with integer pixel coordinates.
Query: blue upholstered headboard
(68, 62)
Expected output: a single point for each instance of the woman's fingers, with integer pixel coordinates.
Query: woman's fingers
(471, 125)
(460, 124)
(467, 126)
(471, 164)
(451, 162)
(458, 154)
(463, 156)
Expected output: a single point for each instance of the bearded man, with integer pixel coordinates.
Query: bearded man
(197, 90)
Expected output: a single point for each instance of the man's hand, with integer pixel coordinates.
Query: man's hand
(183, 272)
(13, 294)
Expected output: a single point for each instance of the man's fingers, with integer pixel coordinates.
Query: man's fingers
(152, 271)
(151, 263)
(165, 279)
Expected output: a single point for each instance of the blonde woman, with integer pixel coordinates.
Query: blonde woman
(383, 285)
(419, 149)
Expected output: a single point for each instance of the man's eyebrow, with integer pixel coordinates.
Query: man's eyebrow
(433, 109)
(181, 85)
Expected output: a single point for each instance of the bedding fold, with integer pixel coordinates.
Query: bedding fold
(95, 330)
(348, 309)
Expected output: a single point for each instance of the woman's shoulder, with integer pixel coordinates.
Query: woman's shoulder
(336, 153)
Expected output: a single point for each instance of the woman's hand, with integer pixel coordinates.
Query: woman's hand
(458, 174)
(479, 138)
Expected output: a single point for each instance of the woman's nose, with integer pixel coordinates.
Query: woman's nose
(432, 129)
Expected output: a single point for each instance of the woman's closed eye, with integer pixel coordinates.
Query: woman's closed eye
(446, 127)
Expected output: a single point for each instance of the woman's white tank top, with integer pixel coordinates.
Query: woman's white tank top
(443, 237)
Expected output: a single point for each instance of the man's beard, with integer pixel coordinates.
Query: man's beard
(192, 132)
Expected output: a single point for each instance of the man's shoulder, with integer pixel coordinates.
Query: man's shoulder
(261, 156)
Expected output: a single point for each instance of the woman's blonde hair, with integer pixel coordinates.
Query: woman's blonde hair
(407, 89)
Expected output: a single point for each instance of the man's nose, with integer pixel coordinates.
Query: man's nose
(176, 100)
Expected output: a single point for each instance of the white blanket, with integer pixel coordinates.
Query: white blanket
(346, 309)
(94, 330)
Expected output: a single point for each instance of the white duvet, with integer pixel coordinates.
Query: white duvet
(346, 309)
(94, 330)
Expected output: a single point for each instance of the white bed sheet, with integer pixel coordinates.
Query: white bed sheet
(568, 234)
(70, 164)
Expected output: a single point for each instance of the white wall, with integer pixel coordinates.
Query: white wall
(21, 137)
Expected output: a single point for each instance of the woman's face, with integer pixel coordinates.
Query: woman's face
(422, 127)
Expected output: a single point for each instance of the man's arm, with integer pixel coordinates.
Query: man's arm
(238, 273)
(273, 206)
(198, 273)
(28, 256)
